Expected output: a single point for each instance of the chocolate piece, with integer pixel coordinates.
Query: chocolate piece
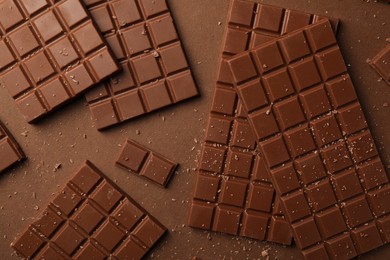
(144, 162)
(91, 218)
(230, 151)
(10, 151)
(381, 64)
(46, 58)
(314, 148)
(155, 69)
(251, 24)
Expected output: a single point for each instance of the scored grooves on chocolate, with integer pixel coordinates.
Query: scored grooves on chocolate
(312, 133)
(46, 58)
(91, 218)
(155, 68)
(233, 192)
(146, 163)
(10, 151)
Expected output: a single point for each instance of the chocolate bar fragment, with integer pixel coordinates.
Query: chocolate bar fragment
(381, 64)
(155, 69)
(50, 53)
(315, 141)
(146, 163)
(91, 218)
(233, 192)
(10, 151)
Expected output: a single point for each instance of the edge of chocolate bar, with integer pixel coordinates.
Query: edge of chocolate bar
(15, 146)
(379, 59)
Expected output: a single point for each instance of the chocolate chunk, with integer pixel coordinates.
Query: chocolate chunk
(46, 58)
(91, 218)
(155, 73)
(315, 149)
(10, 151)
(144, 162)
(231, 176)
(381, 64)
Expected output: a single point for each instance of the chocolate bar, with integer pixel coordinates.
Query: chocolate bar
(155, 69)
(50, 53)
(233, 192)
(91, 218)
(10, 151)
(146, 163)
(315, 141)
(381, 64)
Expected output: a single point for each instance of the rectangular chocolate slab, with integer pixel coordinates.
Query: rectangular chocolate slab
(146, 163)
(381, 64)
(315, 141)
(91, 218)
(231, 176)
(155, 73)
(10, 151)
(50, 52)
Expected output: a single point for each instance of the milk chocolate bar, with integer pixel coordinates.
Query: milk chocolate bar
(50, 52)
(10, 151)
(155, 73)
(233, 192)
(315, 141)
(91, 218)
(146, 163)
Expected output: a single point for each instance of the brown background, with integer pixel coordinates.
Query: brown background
(68, 135)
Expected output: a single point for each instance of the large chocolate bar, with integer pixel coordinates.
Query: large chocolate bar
(233, 192)
(50, 53)
(155, 73)
(315, 141)
(91, 218)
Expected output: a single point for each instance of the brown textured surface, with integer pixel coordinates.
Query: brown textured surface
(90, 218)
(155, 73)
(316, 143)
(46, 60)
(62, 137)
